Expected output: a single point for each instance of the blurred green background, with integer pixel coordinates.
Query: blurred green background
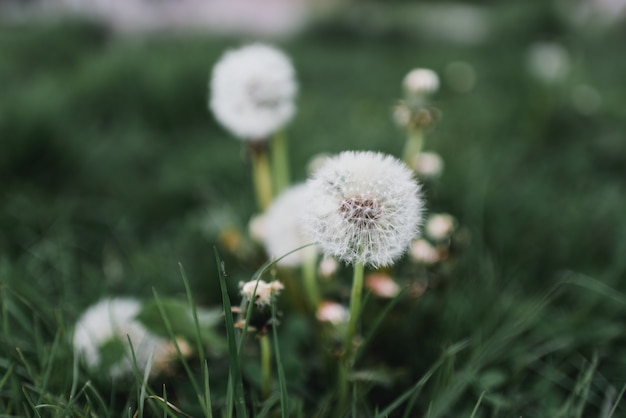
(112, 171)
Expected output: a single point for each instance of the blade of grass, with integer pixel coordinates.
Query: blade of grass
(235, 367)
(377, 323)
(480, 399)
(413, 391)
(284, 398)
(182, 358)
(205, 371)
(617, 401)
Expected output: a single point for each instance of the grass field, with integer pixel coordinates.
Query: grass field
(113, 172)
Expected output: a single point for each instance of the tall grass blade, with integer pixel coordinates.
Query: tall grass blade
(284, 398)
(235, 367)
(207, 408)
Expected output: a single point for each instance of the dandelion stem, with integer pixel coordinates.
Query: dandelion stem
(280, 162)
(414, 144)
(348, 349)
(309, 270)
(266, 365)
(261, 174)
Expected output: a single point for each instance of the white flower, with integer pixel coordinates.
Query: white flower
(253, 90)
(423, 252)
(439, 226)
(264, 291)
(421, 82)
(283, 228)
(427, 165)
(257, 228)
(111, 322)
(363, 207)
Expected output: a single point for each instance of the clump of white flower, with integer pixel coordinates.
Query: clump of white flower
(264, 291)
(421, 82)
(363, 207)
(253, 89)
(101, 338)
(440, 226)
(427, 165)
(283, 228)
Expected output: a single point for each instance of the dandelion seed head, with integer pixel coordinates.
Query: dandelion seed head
(114, 321)
(440, 226)
(253, 89)
(363, 207)
(283, 228)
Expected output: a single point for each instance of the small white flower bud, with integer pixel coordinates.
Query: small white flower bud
(382, 285)
(423, 252)
(332, 312)
(427, 165)
(264, 291)
(328, 267)
(421, 82)
(440, 226)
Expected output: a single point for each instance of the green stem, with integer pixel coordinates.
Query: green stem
(348, 350)
(309, 273)
(413, 145)
(266, 365)
(280, 162)
(261, 174)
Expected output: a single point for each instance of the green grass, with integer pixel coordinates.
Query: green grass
(113, 172)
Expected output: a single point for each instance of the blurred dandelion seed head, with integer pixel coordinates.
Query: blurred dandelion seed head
(253, 89)
(440, 226)
(427, 165)
(382, 285)
(333, 313)
(423, 252)
(283, 228)
(363, 207)
(421, 82)
(112, 322)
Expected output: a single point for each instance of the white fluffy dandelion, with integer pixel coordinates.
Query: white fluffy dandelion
(283, 228)
(253, 90)
(101, 337)
(440, 226)
(363, 207)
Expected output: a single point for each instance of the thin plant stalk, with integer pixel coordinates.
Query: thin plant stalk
(266, 365)
(280, 162)
(309, 273)
(347, 357)
(414, 144)
(261, 174)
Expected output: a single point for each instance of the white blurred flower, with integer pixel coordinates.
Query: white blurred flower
(253, 90)
(108, 325)
(421, 82)
(382, 285)
(264, 291)
(424, 252)
(440, 226)
(283, 228)
(332, 312)
(427, 165)
(548, 62)
(363, 207)
(402, 115)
